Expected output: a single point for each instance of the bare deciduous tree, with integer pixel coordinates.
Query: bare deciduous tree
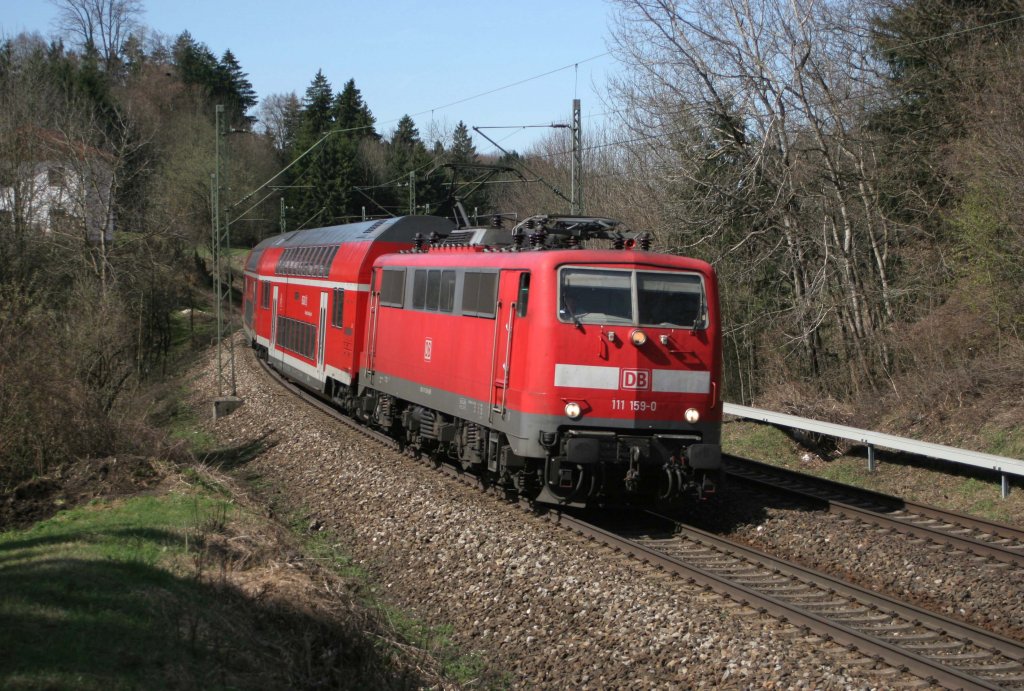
(102, 25)
(753, 115)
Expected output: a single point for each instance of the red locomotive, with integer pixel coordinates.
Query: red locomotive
(572, 376)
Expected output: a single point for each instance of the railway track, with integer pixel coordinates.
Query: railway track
(933, 647)
(954, 530)
(930, 646)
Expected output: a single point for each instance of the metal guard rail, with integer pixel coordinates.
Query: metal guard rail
(1000, 464)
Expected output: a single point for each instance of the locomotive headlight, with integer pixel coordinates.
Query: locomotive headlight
(692, 415)
(572, 409)
(638, 337)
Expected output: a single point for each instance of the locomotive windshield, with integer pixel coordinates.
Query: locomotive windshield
(641, 298)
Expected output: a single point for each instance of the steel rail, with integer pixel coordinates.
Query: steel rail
(895, 655)
(960, 531)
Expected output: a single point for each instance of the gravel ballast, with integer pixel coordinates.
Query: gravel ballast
(546, 607)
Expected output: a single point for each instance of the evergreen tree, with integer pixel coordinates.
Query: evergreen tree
(195, 63)
(329, 172)
(350, 112)
(317, 109)
(235, 88)
(463, 150)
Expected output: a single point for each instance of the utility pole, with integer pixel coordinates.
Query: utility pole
(412, 192)
(227, 394)
(577, 160)
(282, 214)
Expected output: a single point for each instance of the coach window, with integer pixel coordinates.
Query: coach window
(419, 289)
(433, 289)
(337, 307)
(524, 294)
(447, 291)
(392, 288)
(265, 295)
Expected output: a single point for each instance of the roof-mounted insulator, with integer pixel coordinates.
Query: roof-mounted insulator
(618, 242)
(417, 242)
(537, 239)
(573, 242)
(517, 239)
(434, 238)
(645, 241)
(496, 221)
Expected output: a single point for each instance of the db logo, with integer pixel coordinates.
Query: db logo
(428, 347)
(635, 379)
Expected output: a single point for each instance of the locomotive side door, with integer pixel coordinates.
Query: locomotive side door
(509, 283)
(374, 309)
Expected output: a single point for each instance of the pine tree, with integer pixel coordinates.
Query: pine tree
(463, 150)
(317, 108)
(195, 63)
(235, 88)
(351, 112)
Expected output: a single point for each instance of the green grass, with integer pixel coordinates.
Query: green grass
(138, 593)
(101, 597)
(1004, 442)
(943, 485)
(436, 641)
(758, 442)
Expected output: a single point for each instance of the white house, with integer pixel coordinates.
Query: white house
(60, 187)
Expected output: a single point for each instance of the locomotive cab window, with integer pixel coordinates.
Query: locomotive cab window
(596, 296)
(668, 299)
(644, 298)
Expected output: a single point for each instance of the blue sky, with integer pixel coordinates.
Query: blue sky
(407, 57)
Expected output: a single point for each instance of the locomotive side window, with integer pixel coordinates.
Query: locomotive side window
(447, 291)
(479, 293)
(419, 289)
(433, 289)
(392, 288)
(337, 306)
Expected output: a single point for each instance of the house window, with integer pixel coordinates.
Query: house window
(55, 176)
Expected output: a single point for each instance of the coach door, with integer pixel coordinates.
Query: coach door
(272, 348)
(504, 329)
(321, 334)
